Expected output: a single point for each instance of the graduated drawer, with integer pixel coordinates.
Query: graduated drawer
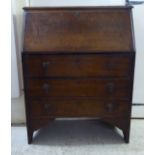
(79, 87)
(77, 65)
(79, 107)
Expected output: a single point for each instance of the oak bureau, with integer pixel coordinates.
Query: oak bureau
(78, 62)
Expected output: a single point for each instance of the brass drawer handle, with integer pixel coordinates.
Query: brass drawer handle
(110, 107)
(47, 107)
(76, 62)
(111, 65)
(110, 88)
(76, 14)
(46, 87)
(45, 64)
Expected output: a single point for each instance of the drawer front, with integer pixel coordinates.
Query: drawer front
(70, 107)
(77, 65)
(97, 87)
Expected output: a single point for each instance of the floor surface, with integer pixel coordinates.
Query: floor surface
(78, 137)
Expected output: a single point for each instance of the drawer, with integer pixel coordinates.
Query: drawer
(79, 107)
(79, 87)
(77, 65)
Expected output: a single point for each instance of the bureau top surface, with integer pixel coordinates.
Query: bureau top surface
(91, 29)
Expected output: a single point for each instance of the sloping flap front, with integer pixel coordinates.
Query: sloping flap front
(79, 29)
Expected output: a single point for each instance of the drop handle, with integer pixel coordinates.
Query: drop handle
(110, 107)
(76, 14)
(111, 65)
(47, 107)
(110, 87)
(77, 63)
(45, 64)
(46, 87)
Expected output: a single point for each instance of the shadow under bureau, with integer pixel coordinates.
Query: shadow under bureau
(78, 62)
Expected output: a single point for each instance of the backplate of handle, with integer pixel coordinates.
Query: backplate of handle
(110, 87)
(46, 87)
(111, 65)
(45, 64)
